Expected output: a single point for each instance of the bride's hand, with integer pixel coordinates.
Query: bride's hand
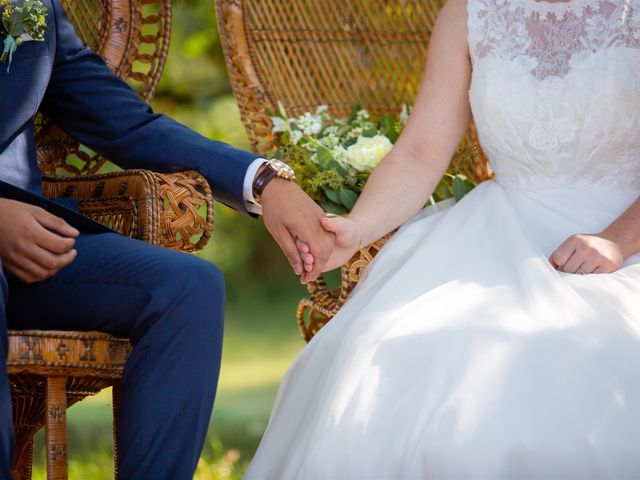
(348, 238)
(586, 254)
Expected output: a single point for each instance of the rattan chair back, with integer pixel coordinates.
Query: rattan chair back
(340, 53)
(132, 36)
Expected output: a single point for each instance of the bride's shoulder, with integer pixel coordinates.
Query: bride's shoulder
(453, 13)
(455, 9)
(452, 19)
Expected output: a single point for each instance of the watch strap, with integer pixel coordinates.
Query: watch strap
(263, 177)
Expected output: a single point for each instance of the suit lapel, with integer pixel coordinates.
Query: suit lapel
(24, 86)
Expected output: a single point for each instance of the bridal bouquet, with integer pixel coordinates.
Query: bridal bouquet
(333, 157)
(21, 21)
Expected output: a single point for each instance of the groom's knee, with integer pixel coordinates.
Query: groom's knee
(199, 285)
(188, 296)
(206, 298)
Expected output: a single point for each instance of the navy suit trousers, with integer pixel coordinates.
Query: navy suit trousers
(170, 305)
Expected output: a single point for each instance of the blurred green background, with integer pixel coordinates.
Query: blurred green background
(261, 335)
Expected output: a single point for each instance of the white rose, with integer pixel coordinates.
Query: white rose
(367, 152)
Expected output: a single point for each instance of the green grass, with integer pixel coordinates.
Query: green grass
(261, 340)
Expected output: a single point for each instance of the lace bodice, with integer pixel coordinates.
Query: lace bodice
(555, 90)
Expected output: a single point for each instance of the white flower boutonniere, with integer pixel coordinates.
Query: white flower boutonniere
(22, 21)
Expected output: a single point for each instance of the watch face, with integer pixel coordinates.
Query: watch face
(282, 167)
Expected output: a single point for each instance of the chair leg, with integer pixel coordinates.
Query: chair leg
(116, 410)
(24, 464)
(56, 428)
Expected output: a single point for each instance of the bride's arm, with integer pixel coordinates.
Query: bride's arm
(602, 252)
(403, 182)
(625, 231)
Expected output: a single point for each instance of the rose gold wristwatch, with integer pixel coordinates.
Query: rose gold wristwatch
(270, 170)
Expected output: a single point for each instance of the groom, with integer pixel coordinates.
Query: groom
(170, 305)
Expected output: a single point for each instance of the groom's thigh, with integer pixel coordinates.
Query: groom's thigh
(114, 285)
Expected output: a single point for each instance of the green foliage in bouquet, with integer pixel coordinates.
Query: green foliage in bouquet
(333, 157)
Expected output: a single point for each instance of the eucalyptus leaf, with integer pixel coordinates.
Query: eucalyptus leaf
(354, 113)
(458, 188)
(370, 132)
(443, 191)
(468, 184)
(350, 142)
(332, 195)
(337, 166)
(17, 24)
(388, 124)
(330, 207)
(348, 198)
(325, 157)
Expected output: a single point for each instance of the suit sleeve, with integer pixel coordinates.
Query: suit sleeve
(100, 110)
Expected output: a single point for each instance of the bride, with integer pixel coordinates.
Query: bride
(498, 338)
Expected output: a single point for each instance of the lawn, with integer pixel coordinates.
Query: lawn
(261, 339)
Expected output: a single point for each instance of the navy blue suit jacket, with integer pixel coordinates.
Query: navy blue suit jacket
(72, 86)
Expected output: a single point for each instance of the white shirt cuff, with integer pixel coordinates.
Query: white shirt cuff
(247, 190)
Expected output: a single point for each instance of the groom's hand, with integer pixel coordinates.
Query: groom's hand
(34, 245)
(291, 216)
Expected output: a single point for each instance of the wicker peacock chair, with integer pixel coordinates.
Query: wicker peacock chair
(306, 53)
(50, 371)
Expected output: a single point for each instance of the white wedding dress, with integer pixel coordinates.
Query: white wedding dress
(463, 354)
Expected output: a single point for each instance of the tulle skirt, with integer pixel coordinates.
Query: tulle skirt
(463, 354)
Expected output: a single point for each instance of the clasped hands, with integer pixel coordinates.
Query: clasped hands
(314, 243)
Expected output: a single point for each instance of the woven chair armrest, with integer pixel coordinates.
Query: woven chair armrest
(324, 302)
(174, 210)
